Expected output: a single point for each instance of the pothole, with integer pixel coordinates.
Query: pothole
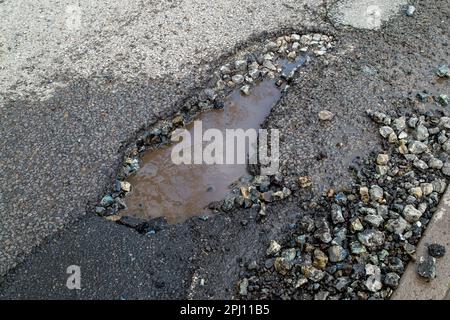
(162, 188)
(151, 185)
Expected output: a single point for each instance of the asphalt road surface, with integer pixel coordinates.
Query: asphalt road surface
(79, 81)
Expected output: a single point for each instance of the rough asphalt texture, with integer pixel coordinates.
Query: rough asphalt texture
(48, 177)
(121, 69)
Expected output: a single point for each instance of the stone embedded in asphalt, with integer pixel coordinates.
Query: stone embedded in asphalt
(436, 250)
(427, 188)
(325, 115)
(426, 267)
(416, 192)
(364, 193)
(225, 70)
(410, 10)
(210, 94)
(304, 182)
(382, 170)
(254, 73)
(420, 164)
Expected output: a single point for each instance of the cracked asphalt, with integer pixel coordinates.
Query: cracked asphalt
(72, 99)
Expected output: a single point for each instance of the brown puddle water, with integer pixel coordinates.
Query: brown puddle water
(177, 192)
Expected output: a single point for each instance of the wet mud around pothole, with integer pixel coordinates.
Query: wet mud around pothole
(162, 188)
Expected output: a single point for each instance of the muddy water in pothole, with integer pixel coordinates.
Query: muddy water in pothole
(177, 192)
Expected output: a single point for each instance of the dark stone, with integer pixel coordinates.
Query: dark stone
(436, 250)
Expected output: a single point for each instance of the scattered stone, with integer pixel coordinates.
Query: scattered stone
(422, 132)
(356, 225)
(373, 282)
(436, 250)
(371, 238)
(376, 193)
(312, 273)
(443, 71)
(399, 124)
(411, 214)
(269, 65)
(320, 259)
(106, 201)
(410, 10)
(382, 159)
(245, 90)
(446, 169)
(237, 79)
(392, 280)
(240, 65)
(113, 218)
(357, 248)
(443, 100)
(273, 248)
(243, 287)
(125, 186)
(386, 131)
(417, 147)
(364, 193)
(337, 253)
(374, 220)
(426, 267)
(336, 214)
